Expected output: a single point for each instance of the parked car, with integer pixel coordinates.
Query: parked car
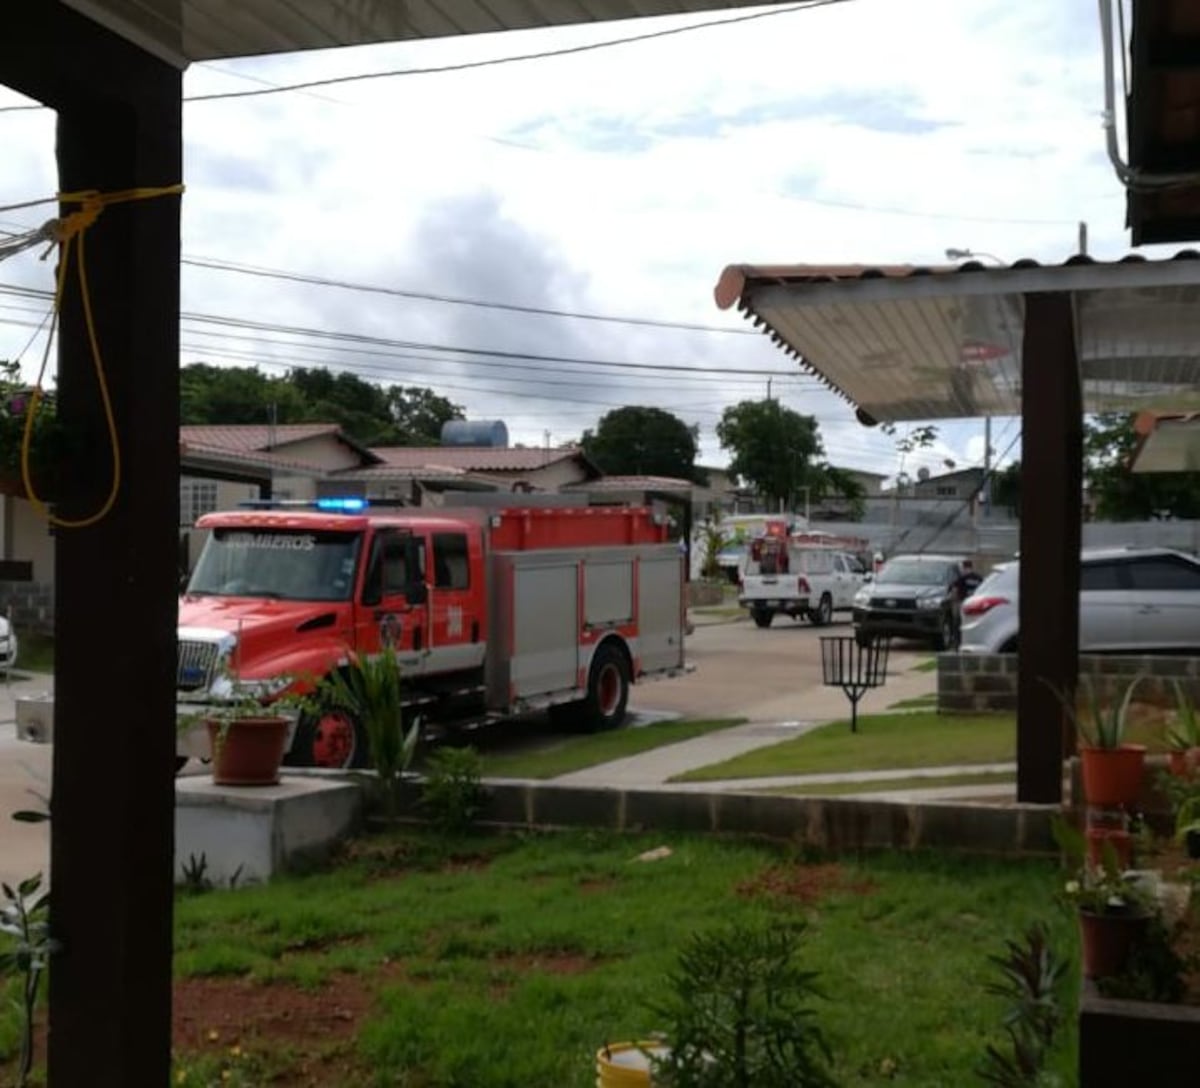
(1130, 599)
(8, 645)
(911, 596)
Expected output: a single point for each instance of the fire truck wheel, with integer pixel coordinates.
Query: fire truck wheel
(762, 616)
(330, 739)
(823, 616)
(608, 691)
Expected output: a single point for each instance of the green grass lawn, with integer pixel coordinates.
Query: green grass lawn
(916, 739)
(575, 753)
(505, 961)
(917, 702)
(36, 653)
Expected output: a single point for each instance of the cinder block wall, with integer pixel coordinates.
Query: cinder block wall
(32, 605)
(983, 683)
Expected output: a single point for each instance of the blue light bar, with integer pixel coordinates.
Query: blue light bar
(347, 505)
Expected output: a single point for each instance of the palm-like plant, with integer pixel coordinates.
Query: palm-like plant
(369, 687)
(1102, 726)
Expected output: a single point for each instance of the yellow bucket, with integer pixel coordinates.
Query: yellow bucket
(626, 1065)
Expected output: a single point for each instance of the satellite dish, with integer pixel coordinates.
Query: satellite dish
(922, 474)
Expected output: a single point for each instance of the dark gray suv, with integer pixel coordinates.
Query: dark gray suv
(914, 597)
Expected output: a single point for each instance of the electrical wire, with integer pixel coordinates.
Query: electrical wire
(545, 54)
(492, 62)
(216, 264)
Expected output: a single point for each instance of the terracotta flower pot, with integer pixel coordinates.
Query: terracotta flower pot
(250, 752)
(1184, 762)
(1113, 776)
(1107, 940)
(1120, 840)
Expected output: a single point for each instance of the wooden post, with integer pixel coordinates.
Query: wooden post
(113, 796)
(1051, 452)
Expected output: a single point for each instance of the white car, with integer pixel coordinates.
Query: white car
(8, 644)
(1136, 600)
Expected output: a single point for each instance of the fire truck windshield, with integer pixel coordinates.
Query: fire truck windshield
(284, 564)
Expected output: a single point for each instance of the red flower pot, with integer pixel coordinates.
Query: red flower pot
(250, 751)
(1184, 762)
(1120, 839)
(1107, 940)
(1113, 776)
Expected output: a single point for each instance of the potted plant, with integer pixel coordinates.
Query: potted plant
(248, 728)
(368, 687)
(1113, 910)
(1183, 759)
(1187, 824)
(1112, 769)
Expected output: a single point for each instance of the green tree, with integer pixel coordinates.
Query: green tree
(372, 414)
(1109, 441)
(776, 450)
(235, 394)
(1006, 488)
(418, 415)
(637, 441)
(838, 484)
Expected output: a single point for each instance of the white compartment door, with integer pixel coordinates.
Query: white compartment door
(660, 620)
(545, 628)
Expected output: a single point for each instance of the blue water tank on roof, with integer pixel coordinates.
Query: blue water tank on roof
(475, 432)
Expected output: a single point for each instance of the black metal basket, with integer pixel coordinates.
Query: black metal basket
(854, 667)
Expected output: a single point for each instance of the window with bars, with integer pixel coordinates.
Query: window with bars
(196, 497)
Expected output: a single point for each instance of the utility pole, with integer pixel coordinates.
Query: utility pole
(1083, 237)
(768, 389)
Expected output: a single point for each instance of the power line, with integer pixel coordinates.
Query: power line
(544, 54)
(339, 338)
(492, 62)
(219, 265)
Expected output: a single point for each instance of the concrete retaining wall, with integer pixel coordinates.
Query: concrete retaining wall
(32, 605)
(839, 824)
(1136, 1042)
(978, 683)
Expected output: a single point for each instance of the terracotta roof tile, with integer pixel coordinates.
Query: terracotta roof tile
(475, 458)
(253, 436)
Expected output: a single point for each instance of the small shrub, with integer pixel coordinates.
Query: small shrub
(1032, 981)
(739, 1014)
(453, 792)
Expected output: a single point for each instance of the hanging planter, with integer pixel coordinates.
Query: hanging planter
(1107, 941)
(1113, 776)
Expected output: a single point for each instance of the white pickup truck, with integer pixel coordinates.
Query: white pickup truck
(803, 575)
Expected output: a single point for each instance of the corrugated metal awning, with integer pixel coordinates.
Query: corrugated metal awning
(1167, 443)
(906, 343)
(181, 31)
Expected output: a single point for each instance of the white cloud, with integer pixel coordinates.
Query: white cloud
(621, 181)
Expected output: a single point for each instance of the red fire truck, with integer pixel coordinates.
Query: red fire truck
(492, 611)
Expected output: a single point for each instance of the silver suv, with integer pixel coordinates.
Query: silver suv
(1130, 599)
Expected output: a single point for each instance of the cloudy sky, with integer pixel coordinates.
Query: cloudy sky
(615, 183)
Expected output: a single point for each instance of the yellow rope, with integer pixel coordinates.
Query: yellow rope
(69, 232)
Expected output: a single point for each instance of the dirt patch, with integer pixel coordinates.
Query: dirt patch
(313, 1027)
(804, 884)
(595, 884)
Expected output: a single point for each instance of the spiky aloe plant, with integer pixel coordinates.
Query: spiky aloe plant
(1102, 726)
(369, 687)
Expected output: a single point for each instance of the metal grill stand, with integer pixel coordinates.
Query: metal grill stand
(854, 668)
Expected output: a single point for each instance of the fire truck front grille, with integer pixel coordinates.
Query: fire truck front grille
(196, 663)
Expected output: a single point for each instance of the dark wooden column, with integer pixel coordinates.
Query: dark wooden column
(1052, 467)
(113, 789)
